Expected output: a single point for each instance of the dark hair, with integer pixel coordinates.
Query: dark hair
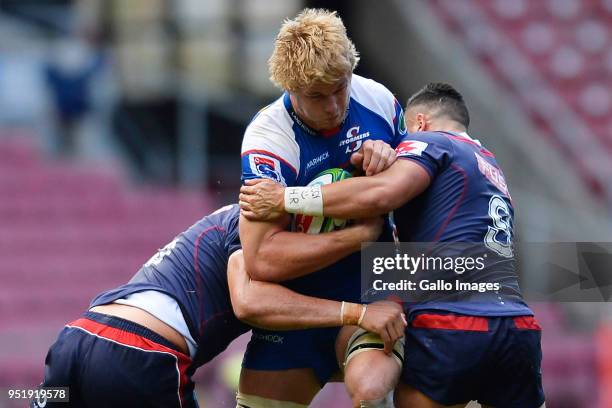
(443, 98)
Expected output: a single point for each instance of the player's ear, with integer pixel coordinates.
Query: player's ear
(421, 121)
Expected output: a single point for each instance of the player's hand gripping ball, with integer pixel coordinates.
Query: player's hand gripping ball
(316, 225)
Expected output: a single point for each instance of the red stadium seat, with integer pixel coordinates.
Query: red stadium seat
(66, 234)
(568, 46)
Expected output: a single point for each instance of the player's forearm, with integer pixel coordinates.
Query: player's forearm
(376, 195)
(357, 198)
(272, 306)
(288, 255)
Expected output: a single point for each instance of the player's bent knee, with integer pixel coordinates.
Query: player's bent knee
(365, 383)
(370, 376)
(364, 389)
(253, 401)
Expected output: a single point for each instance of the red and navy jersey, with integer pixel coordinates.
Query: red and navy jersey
(278, 145)
(467, 201)
(192, 269)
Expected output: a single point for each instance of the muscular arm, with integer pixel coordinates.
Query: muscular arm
(273, 254)
(356, 197)
(366, 196)
(272, 306)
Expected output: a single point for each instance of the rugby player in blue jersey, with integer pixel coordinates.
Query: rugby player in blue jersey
(139, 344)
(327, 117)
(446, 188)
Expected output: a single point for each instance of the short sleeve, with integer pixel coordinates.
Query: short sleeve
(431, 150)
(269, 151)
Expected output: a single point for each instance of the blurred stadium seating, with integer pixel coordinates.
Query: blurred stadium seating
(68, 232)
(556, 57)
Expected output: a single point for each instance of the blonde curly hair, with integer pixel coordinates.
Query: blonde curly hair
(313, 47)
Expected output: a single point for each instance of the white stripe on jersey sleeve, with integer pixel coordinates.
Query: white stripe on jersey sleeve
(272, 131)
(374, 96)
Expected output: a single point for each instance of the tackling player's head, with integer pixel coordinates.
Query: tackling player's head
(313, 59)
(437, 106)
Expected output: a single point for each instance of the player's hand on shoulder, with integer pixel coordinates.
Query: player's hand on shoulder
(373, 157)
(387, 319)
(262, 200)
(369, 228)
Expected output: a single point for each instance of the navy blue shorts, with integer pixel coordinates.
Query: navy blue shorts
(107, 361)
(284, 350)
(454, 359)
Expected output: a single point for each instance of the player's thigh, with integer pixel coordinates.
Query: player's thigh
(298, 385)
(406, 396)
(342, 342)
(291, 364)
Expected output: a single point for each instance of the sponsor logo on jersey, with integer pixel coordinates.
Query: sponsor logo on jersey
(317, 160)
(401, 126)
(493, 174)
(354, 139)
(267, 167)
(411, 148)
(271, 338)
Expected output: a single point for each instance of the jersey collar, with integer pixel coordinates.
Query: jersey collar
(468, 137)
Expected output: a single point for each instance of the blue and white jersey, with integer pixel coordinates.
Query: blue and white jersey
(192, 269)
(467, 201)
(279, 146)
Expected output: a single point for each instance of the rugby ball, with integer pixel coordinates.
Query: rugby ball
(316, 225)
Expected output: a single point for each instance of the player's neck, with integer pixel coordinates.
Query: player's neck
(312, 125)
(447, 126)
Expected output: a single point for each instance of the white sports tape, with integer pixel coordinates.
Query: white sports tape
(362, 314)
(379, 403)
(363, 340)
(304, 200)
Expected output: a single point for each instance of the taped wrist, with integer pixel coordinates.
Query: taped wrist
(304, 200)
(351, 312)
(364, 308)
